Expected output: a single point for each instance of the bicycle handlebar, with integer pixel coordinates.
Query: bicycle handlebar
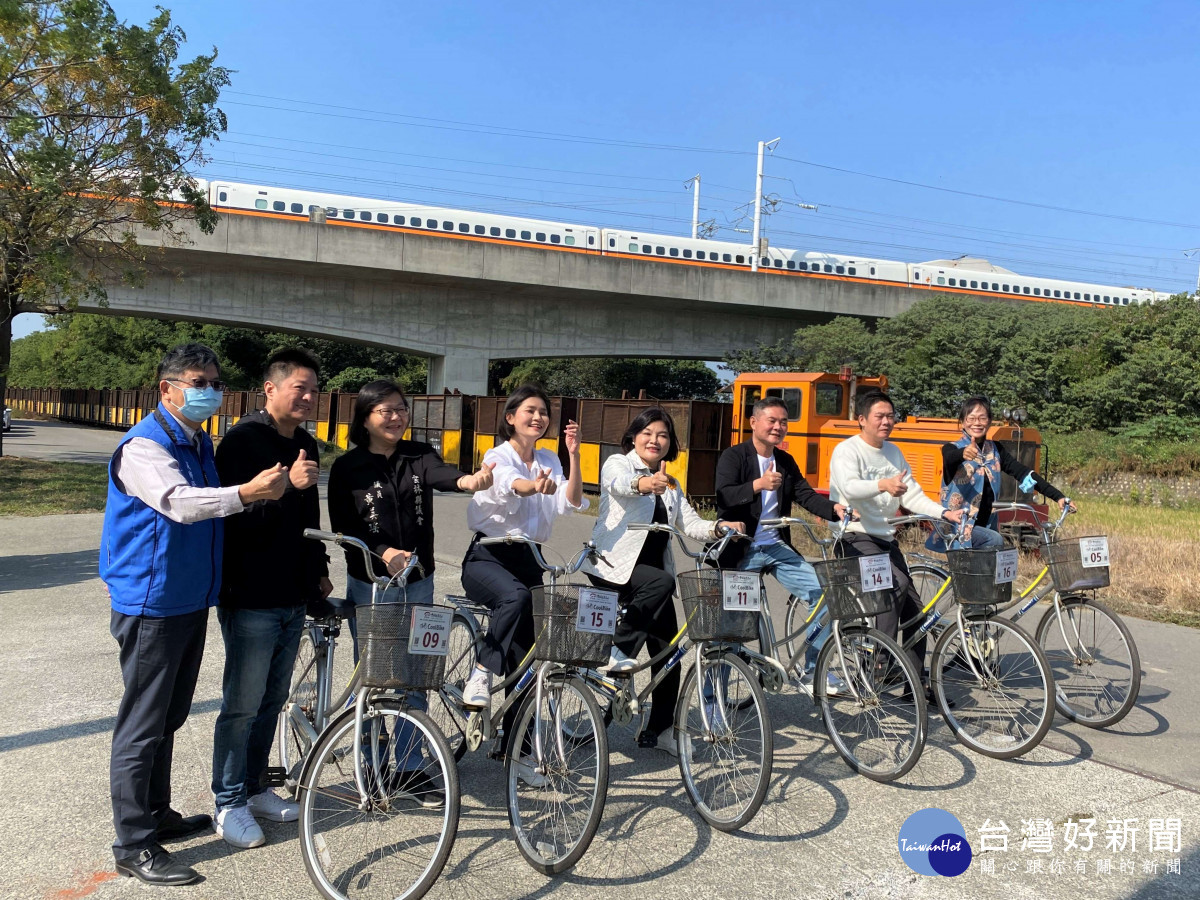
(947, 529)
(589, 551)
(1046, 526)
(714, 550)
(785, 521)
(342, 540)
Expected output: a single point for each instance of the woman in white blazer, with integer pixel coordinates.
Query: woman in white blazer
(635, 489)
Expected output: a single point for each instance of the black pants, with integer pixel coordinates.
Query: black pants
(648, 618)
(160, 661)
(500, 577)
(906, 600)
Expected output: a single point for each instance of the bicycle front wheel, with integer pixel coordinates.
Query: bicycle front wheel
(297, 720)
(993, 686)
(878, 720)
(392, 846)
(556, 798)
(1096, 666)
(725, 764)
(460, 660)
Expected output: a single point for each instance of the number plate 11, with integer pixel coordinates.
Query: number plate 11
(742, 591)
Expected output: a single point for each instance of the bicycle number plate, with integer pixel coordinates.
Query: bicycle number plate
(1093, 552)
(742, 591)
(430, 631)
(875, 572)
(1006, 566)
(597, 611)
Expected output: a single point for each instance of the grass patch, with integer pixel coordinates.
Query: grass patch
(1167, 453)
(35, 487)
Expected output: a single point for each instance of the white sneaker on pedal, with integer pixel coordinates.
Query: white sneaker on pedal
(527, 772)
(618, 662)
(270, 806)
(477, 692)
(834, 685)
(238, 828)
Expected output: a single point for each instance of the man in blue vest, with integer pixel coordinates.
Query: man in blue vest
(160, 557)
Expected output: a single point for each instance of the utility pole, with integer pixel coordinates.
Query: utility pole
(1193, 254)
(755, 249)
(694, 184)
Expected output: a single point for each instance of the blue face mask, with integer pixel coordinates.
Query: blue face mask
(200, 403)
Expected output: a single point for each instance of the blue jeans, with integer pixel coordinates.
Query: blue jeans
(796, 575)
(260, 652)
(982, 539)
(410, 745)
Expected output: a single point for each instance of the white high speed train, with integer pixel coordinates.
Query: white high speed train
(966, 276)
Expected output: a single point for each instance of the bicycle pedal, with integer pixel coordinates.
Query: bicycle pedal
(273, 777)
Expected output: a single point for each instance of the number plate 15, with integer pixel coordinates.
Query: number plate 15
(430, 631)
(1093, 552)
(597, 611)
(742, 591)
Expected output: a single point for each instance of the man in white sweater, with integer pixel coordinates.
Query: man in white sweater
(871, 475)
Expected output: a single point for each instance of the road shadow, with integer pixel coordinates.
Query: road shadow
(82, 729)
(47, 570)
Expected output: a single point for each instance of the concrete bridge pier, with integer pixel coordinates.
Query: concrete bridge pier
(464, 369)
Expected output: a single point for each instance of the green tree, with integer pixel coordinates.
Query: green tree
(352, 379)
(99, 127)
(818, 348)
(664, 379)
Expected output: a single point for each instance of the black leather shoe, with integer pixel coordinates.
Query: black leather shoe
(175, 825)
(156, 867)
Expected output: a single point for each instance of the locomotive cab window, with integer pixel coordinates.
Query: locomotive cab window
(829, 399)
(791, 399)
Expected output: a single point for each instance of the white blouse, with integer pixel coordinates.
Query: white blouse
(498, 511)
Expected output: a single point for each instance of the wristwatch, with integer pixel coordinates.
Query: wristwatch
(634, 486)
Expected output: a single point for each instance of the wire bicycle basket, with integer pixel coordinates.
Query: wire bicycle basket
(703, 594)
(557, 639)
(384, 633)
(1078, 564)
(841, 580)
(973, 576)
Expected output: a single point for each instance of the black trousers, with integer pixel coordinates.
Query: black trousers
(160, 661)
(648, 619)
(906, 600)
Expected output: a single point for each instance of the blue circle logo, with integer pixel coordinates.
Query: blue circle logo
(933, 842)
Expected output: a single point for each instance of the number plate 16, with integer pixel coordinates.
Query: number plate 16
(430, 631)
(1006, 566)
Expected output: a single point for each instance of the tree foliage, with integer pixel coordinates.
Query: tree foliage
(99, 127)
(663, 379)
(1070, 367)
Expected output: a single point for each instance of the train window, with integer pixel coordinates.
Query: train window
(260, 204)
(464, 228)
(365, 216)
(740, 260)
(941, 280)
(687, 254)
(330, 212)
(494, 231)
(1005, 287)
(699, 254)
(510, 232)
(541, 236)
(381, 217)
(612, 242)
(791, 264)
(828, 268)
(1026, 290)
(725, 257)
(1058, 293)
(633, 248)
(803, 267)
(525, 235)
(1087, 297)
(751, 394)
(591, 239)
(279, 206)
(779, 263)
(995, 287)
(852, 270)
(555, 239)
(829, 399)
(916, 274)
(222, 196)
(841, 270)
(1077, 295)
(347, 214)
(674, 251)
(397, 220)
(1106, 300)
(1037, 291)
(481, 229)
(447, 226)
(1124, 301)
(414, 222)
(660, 250)
(297, 207)
(953, 283)
(569, 240)
(645, 248)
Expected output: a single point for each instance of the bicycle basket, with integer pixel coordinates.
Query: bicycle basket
(841, 581)
(1065, 559)
(703, 596)
(383, 633)
(555, 612)
(973, 577)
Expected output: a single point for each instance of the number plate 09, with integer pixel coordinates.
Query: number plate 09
(430, 631)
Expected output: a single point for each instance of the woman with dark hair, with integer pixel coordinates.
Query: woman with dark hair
(528, 493)
(382, 493)
(636, 489)
(971, 468)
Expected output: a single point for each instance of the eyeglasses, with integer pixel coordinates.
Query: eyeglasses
(199, 383)
(391, 412)
(977, 420)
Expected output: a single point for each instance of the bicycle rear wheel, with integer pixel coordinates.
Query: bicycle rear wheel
(395, 848)
(460, 659)
(296, 729)
(880, 733)
(1097, 669)
(727, 765)
(1006, 709)
(555, 803)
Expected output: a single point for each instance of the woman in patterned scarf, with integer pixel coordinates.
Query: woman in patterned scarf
(971, 468)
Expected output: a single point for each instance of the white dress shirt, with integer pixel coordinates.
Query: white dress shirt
(146, 469)
(498, 511)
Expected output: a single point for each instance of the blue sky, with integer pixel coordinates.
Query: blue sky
(597, 114)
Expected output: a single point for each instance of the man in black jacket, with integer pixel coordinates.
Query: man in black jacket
(270, 574)
(757, 480)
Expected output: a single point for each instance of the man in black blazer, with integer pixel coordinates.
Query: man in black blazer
(756, 480)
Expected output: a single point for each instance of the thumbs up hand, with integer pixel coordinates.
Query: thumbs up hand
(480, 481)
(896, 485)
(770, 479)
(543, 483)
(304, 471)
(660, 481)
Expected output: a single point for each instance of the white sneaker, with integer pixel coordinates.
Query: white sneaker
(528, 774)
(270, 806)
(238, 828)
(664, 742)
(834, 685)
(618, 662)
(477, 692)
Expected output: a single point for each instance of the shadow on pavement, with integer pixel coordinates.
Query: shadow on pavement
(47, 570)
(81, 729)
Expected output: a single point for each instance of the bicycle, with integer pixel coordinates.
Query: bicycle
(1092, 654)
(878, 721)
(722, 727)
(989, 677)
(369, 825)
(556, 764)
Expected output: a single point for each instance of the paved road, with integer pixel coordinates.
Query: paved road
(823, 832)
(60, 442)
